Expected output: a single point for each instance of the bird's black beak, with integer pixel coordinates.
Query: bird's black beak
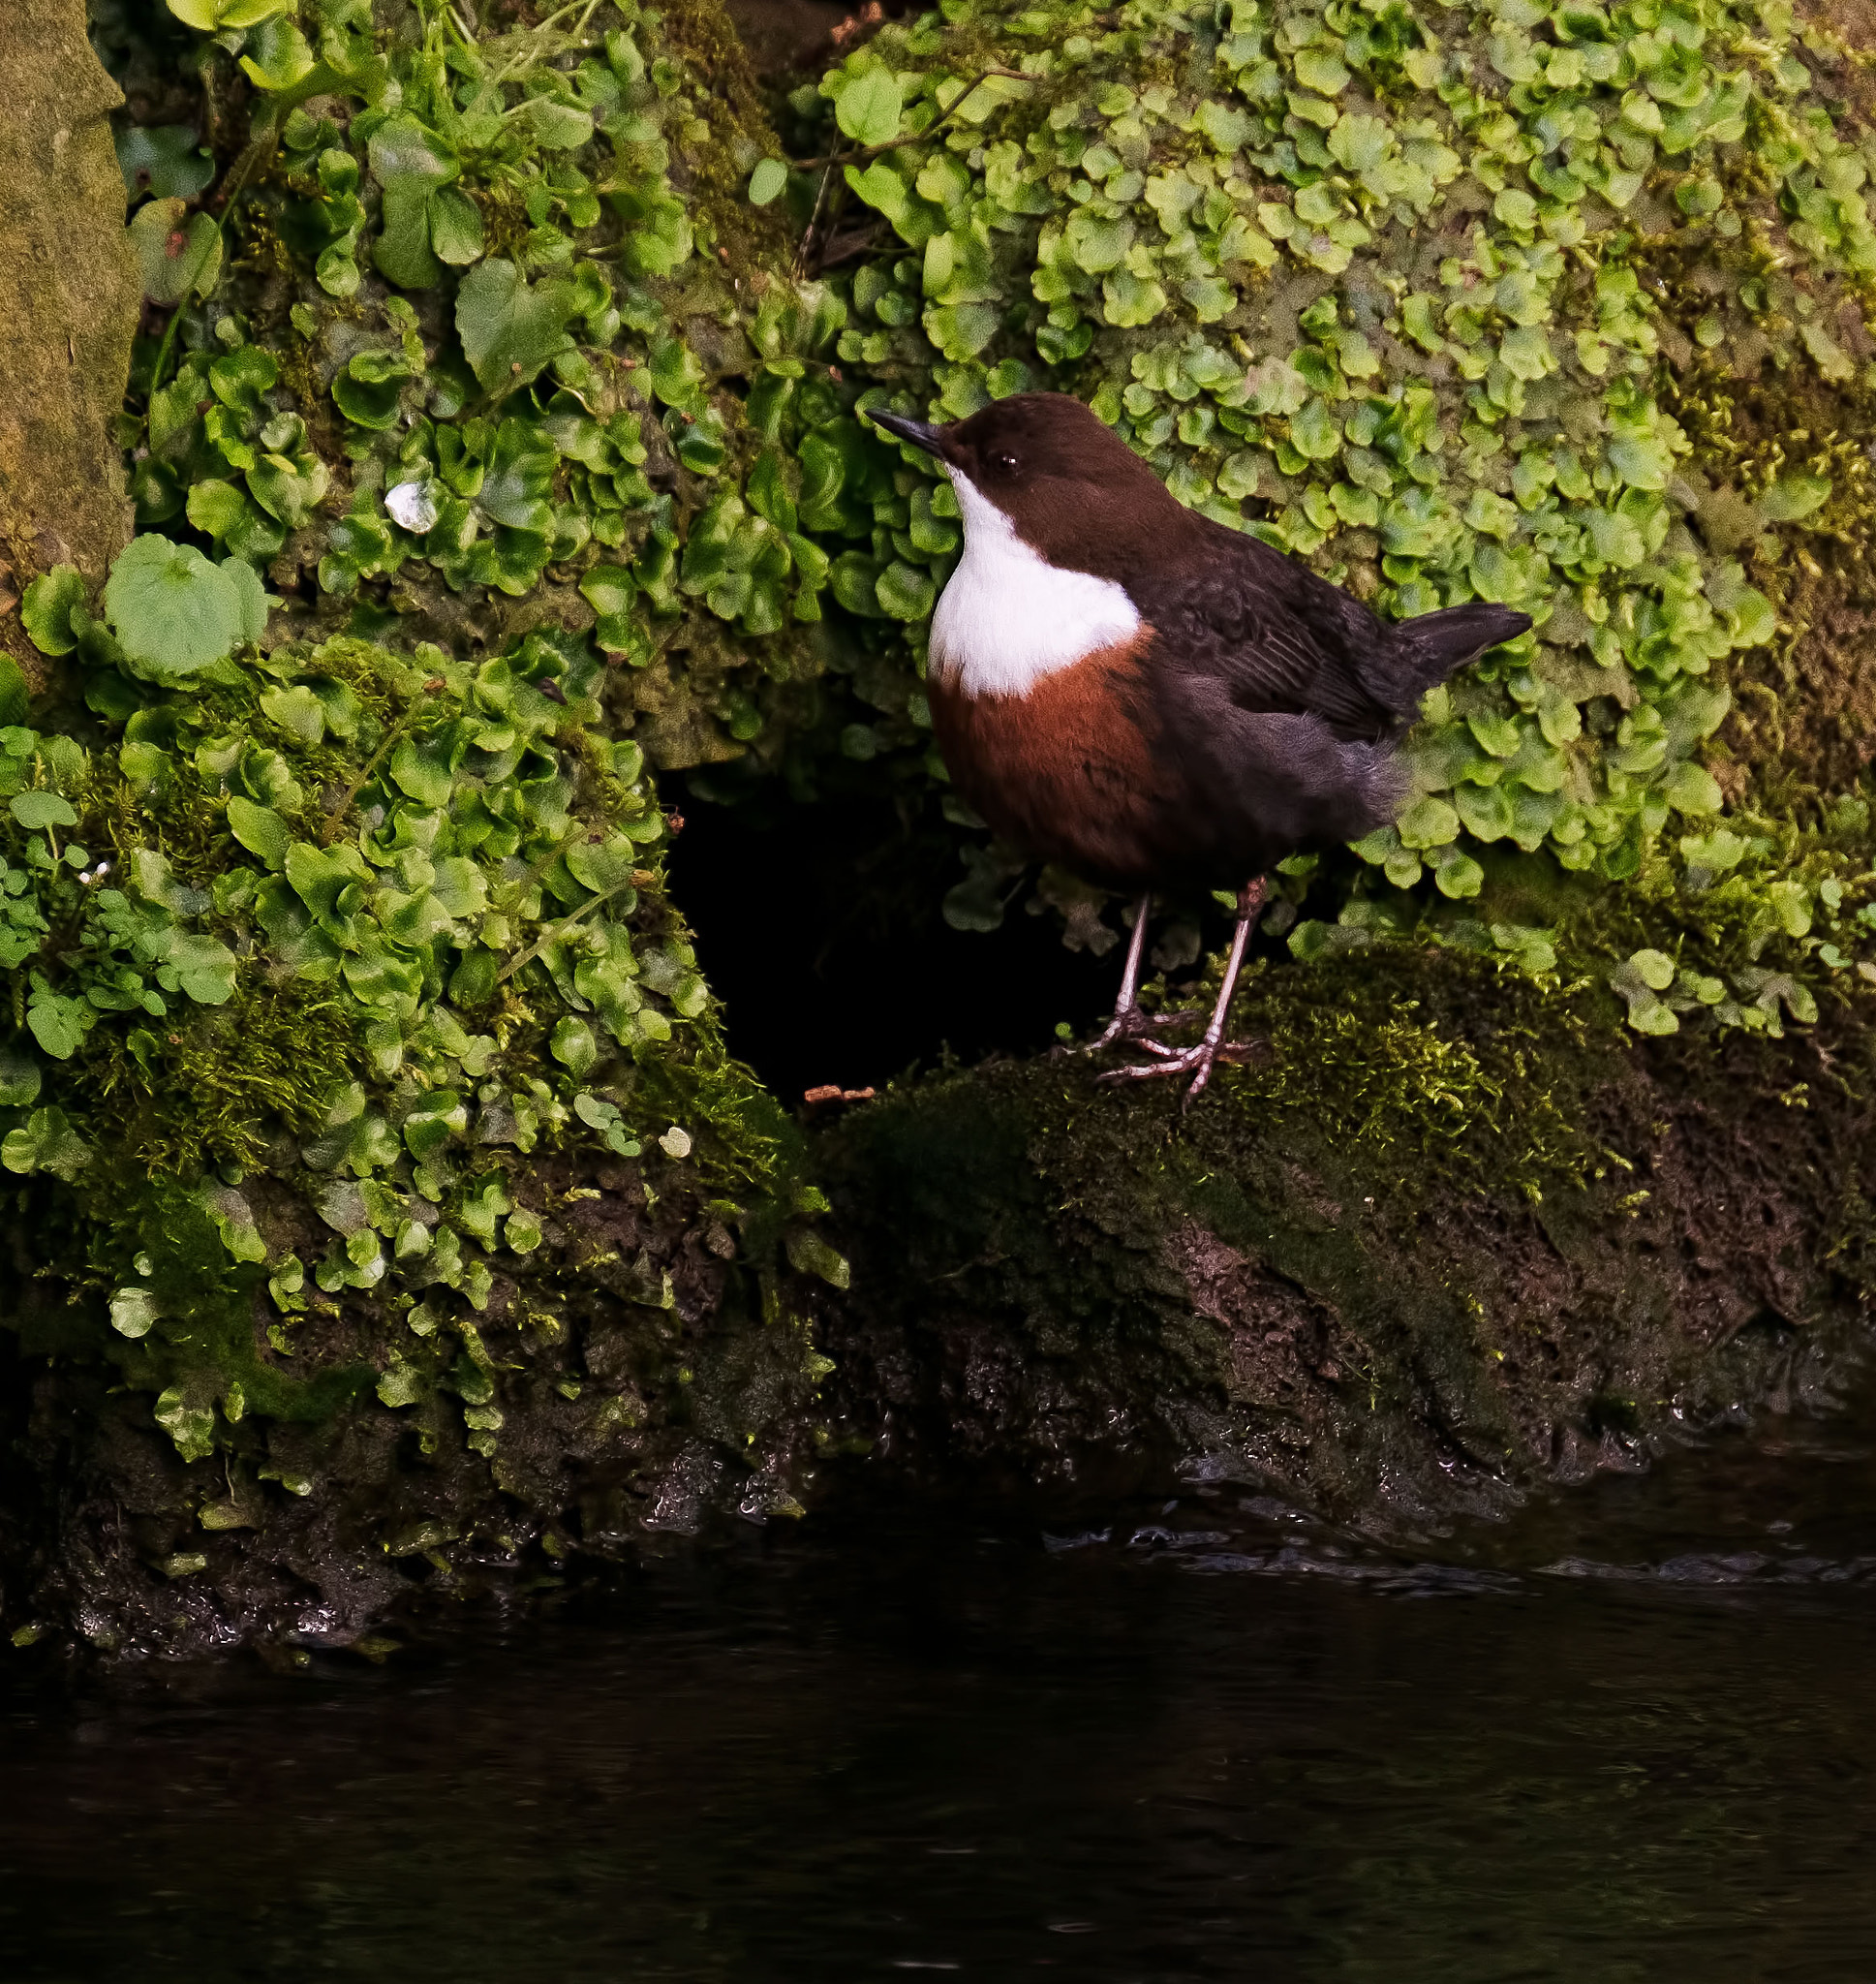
(920, 433)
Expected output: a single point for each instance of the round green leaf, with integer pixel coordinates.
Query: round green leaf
(133, 1311)
(47, 609)
(573, 1047)
(1654, 968)
(869, 107)
(277, 56)
(558, 126)
(19, 1078)
(215, 506)
(1794, 497)
(163, 160)
(172, 610)
(1321, 69)
(37, 811)
(510, 329)
(259, 829)
(455, 227)
(906, 591)
(766, 182)
(180, 254)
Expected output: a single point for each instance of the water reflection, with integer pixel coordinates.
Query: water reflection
(1628, 1736)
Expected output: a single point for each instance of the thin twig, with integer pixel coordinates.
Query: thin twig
(799, 267)
(559, 931)
(337, 810)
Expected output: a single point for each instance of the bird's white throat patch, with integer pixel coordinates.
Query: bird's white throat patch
(1009, 617)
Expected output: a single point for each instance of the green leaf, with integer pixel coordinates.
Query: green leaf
(211, 15)
(215, 506)
(1430, 822)
(510, 329)
(298, 711)
(180, 254)
(1642, 461)
(558, 126)
(318, 878)
(438, 1116)
(259, 829)
(204, 968)
(1098, 244)
(1692, 789)
(370, 388)
(869, 109)
(251, 598)
(133, 1311)
(1716, 851)
(422, 771)
(288, 487)
(906, 591)
(47, 609)
(1459, 878)
(1794, 497)
(1128, 299)
(1321, 69)
(1313, 432)
(574, 1047)
(19, 1078)
(610, 590)
(46, 1142)
(1654, 968)
(402, 251)
(406, 156)
(190, 1425)
(163, 160)
(811, 1255)
(172, 610)
(37, 811)
(455, 227)
(59, 1025)
(277, 56)
(767, 181)
(676, 376)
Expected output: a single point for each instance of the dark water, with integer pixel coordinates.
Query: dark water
(1632, 1738)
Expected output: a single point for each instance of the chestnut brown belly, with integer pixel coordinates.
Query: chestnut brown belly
(1068, 772)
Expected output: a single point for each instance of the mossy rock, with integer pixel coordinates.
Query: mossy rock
(1435, 1243)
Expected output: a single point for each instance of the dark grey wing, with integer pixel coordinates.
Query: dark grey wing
(1287, 642)
(1283, 640)
(1285, 778)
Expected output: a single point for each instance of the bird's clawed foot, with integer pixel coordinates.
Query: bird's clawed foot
(1130, 1024)
(1196, 1061)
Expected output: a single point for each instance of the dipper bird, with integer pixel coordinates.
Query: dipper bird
(1151, 699)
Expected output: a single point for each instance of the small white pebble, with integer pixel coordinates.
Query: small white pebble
(675, 1142)
(412, 506)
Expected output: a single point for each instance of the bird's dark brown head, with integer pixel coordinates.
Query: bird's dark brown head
(1071, 487)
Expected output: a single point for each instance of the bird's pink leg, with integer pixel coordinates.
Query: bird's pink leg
(1197, 1061)
(1130, 1023)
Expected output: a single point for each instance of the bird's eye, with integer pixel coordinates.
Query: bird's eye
(1003, 464)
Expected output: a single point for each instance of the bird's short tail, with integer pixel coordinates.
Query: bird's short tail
(1425, 650)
